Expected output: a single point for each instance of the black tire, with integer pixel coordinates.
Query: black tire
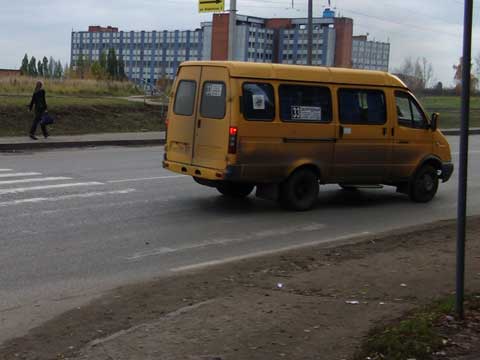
(424, 184)
(235, 190)
(348, 187)
(300, 191)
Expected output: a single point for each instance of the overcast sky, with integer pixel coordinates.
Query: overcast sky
(430, 28)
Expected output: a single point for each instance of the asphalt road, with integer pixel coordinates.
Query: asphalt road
(76, 223)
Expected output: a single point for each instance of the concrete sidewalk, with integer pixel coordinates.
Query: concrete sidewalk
(108, 139)
(111, 139)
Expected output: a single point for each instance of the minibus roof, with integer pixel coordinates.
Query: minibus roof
(304, 73)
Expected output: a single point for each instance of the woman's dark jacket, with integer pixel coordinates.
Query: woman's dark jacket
(38, 99)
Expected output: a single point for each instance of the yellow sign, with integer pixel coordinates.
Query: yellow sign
(211, 5)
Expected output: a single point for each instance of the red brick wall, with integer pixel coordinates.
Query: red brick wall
(220, 37)
(9, 72)
(277, 24)
(343, 42)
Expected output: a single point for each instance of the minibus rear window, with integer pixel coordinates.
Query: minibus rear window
(362, 106)
(300, 103)
(213, 100)
(185, 98)
(258, 101)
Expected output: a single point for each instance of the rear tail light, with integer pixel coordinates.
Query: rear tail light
(232, 140)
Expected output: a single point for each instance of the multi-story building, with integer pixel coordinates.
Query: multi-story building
(153, 55)
(148, 55)
(282, 40)
(371, 55)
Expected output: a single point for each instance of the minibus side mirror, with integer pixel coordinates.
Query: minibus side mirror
(434, 121)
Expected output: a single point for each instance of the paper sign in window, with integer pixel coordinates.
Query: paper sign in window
(214, 90)
(306, 113)
(258, 102)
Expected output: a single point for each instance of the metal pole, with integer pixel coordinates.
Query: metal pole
(463, 170)
(310, 32)
(231, 29)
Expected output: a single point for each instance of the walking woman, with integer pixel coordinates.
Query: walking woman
(38, 100)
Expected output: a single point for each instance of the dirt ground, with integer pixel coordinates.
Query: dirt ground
(312, 303)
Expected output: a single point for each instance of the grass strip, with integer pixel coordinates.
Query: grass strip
(419, 335)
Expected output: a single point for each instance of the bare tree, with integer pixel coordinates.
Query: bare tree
(427, 72)
(459, 76)
(417, 74)
(477, 65)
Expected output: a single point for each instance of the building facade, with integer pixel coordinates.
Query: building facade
(282, 40)
(153, 55)
(9, 72)
(370, 55)
(148, 55)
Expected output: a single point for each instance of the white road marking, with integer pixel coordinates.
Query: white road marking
(20, 174)
(59, 178)
(5, 170)
(144, 179)
(66, 197)
(266, 252)
(46, 187)
(258, 235)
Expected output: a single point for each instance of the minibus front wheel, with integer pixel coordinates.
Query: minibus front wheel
(424, 184)
(300, 191)
(234, 190)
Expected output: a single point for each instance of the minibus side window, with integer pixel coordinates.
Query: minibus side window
(408, 111)
(258, 101)
(362, 106)
(300, 103)
(213, 104)
(185, 98)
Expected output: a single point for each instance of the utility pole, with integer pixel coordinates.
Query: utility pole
(231, 29)
(463, 170)
(310, 33)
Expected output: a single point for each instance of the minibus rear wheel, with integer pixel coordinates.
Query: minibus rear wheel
(424, 184)
(234, 190)
(300, 191)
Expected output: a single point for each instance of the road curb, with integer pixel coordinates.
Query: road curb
(132, 142)
(76, 144)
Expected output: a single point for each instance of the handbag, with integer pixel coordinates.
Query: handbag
(46, 119)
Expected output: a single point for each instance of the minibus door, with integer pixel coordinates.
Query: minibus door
(364, 145)
(213, 119)
(181, 127)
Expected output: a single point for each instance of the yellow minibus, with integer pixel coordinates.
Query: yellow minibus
(286, 129)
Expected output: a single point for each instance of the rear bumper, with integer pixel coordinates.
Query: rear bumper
(195, 171)
(447, 171)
